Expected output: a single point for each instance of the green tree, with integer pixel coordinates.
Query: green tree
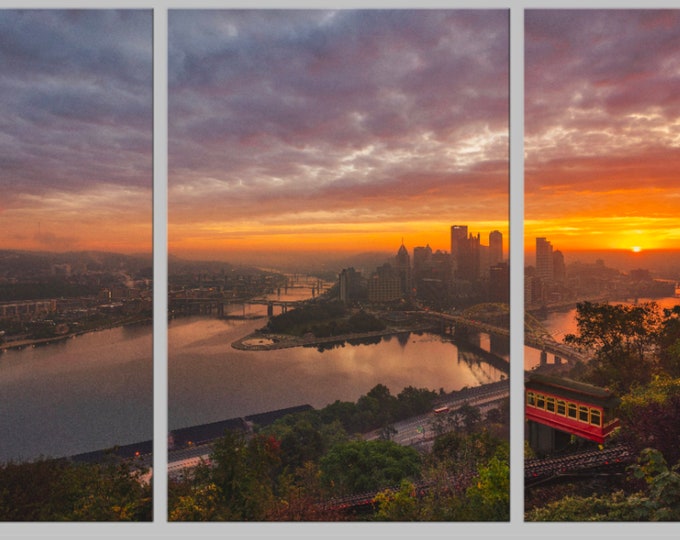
(399, 505)
(361, 466)
(650, 417)
(489, 495)
(59, 490)
(659, 500)
(412, 401)
(669, 342)
(620, 337)
(301, 440)
(470, 417)
(244, 473)
(377, 408)
(201, 504)
(364, 322)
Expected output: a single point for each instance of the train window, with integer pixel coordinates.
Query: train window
(540, 401)
(595, 417)
(571, 408)
(561, 407)
(531, 399)
(582, 413)
(550, 404)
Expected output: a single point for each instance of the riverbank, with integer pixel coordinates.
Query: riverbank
(21, 344)
(261, 341)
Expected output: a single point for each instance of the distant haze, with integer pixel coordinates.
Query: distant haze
(664, 263)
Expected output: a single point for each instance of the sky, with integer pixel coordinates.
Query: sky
(76, 130)
(602, 129)
(309, 131)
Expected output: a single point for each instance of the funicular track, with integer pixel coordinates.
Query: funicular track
(583, 463)
(454, 483)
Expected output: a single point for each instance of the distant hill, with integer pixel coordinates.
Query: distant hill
(664, 264)
(178, 265)
(18, 262)
(326, 265)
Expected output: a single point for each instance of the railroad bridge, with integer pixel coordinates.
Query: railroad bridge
(494, 319)
(216, 305)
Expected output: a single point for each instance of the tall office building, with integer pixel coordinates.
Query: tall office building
(350, 285)
(422, 262)
(403, 266)
(458, 232)
(495, 248)
(559, 268)
(467, 267)
(384, 285)
(499, 283)
(544, 259)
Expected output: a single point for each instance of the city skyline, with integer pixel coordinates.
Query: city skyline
(76, 118)
(602, 128)
(311, 131)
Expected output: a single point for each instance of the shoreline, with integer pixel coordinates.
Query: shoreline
(285, 341)
(22, 344)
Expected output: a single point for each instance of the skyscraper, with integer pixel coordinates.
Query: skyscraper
(467, 266)
(544, 259)
(458, 232)
(559, 270)
(422, 262)
(495, 247)
(403, 267)
(350, 284)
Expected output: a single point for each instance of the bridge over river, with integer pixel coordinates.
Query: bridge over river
(489, 318)
(493, 319)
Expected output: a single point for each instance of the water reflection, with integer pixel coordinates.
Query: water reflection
(210, 381)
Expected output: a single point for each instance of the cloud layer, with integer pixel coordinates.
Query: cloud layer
(294, 122)
(602, 127)
(76, 129)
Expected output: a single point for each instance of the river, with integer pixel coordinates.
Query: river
(95, 391)
(210, 381)
(78, 395)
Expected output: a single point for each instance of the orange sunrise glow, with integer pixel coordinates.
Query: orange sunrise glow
(77, 134)
(374, 138)
(602, 126)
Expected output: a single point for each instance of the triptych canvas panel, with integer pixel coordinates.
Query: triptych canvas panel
(338, 266)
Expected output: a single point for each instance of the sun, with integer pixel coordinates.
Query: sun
(636, 249)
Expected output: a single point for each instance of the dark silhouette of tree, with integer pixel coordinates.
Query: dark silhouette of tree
(650, 417)
(669, 342)
(620, 337)
(244, 472)
(59, 490)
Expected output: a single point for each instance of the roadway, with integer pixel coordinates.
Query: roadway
(181, 459)
(418, 431)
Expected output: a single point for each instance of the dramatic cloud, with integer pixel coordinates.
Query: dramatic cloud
(76, 128)
(340, 121)
(603, 127)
